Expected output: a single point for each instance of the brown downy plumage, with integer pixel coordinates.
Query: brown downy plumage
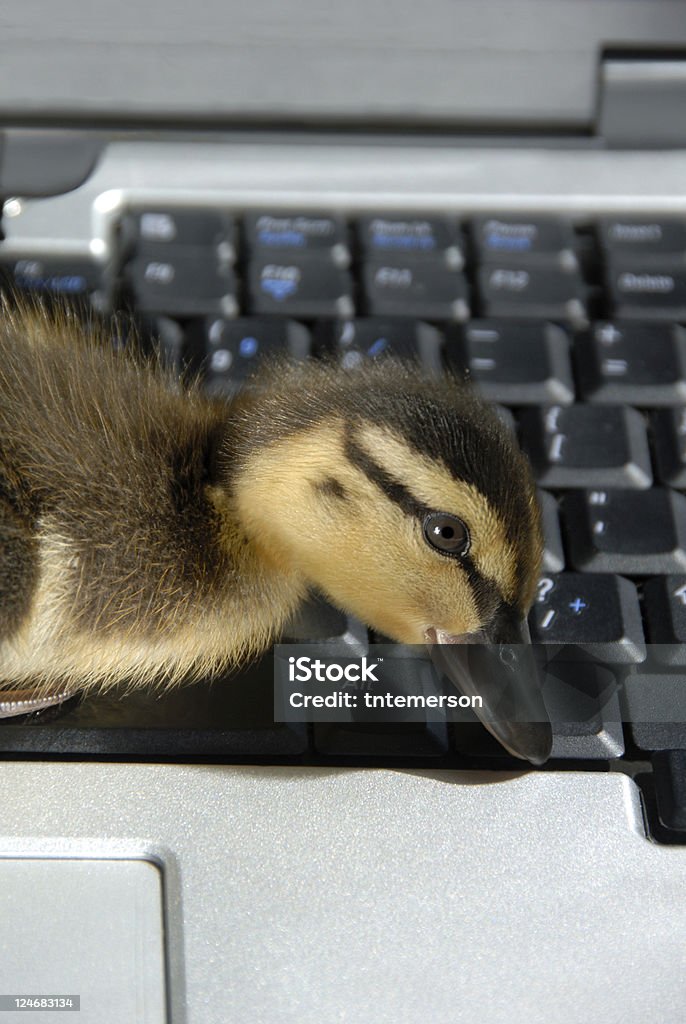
(152, 535)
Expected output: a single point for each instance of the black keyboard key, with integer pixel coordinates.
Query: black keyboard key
(390, 731)
(419, 288)
(506, 416)
(153, 229)
(412, 236)
(527, 240)
(231, 717)
(633, 364)
(517, 363)
(639, 533)
(587, 446)
(646, 291)
(664, 606)
(229, 351)
(306, 287)
(54, 276)
(669, 769)
(654, 706)
(320, 235)
(585, 609)
(581, 695)
(553, 553)
(647, 238)
(160, 333)
(187, 282)
(669, 444)
(538, 293)
(584, 714)
(353, 341)
(383, 739)
(316, 621)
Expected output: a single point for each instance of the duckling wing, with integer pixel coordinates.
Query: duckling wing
(109, 544)
(18, 569)
(18, 579)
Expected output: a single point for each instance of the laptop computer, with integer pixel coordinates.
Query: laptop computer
(191, 859)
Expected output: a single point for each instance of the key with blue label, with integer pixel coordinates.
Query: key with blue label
(602, 610)
(300, 286)
(354, 341)
(229, 351)
(58, 276)
(438, 237)
(322, 235)
(547, 240)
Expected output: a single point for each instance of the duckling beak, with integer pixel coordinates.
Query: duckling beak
(497, 665)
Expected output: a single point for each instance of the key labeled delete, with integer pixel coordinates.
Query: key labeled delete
(652, 292)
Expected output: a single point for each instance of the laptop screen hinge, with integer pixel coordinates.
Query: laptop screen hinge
(643, 100)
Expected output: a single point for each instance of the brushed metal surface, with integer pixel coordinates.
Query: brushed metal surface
(310, 895)
(456, 62)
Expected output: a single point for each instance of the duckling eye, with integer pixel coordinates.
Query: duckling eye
(446, 533)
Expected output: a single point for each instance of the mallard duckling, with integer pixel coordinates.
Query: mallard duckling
(152, 535)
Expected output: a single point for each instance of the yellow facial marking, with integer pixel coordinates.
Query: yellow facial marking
(362, 550)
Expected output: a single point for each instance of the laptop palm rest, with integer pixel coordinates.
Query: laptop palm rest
(300, 895)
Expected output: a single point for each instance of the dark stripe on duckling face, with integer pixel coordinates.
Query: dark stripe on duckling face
(393, 489)
(331, 487)
(485, 592)
(453, 427)
(509, 549)
(458, 430)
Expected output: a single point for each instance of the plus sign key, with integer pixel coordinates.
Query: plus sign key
(633, 364)
(597, 610)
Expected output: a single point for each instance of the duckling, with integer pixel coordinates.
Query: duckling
(150, 534)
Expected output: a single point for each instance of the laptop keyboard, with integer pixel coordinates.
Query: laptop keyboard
(573, 328)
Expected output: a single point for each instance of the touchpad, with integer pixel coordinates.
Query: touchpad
(81, 936)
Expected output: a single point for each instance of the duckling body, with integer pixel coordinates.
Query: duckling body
(118, 562)
(150, 534)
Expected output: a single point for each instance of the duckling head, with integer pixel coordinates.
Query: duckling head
(406, 502)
